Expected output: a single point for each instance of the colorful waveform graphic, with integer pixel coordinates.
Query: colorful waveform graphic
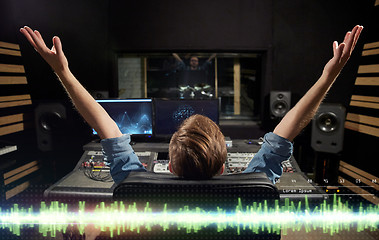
(119, 218)
(134, 124)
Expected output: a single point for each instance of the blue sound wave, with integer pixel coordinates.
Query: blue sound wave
(140, 124)
(183, 112)
(121, 218)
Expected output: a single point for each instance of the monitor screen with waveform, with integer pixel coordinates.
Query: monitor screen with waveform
(169, 114)
(132, 116)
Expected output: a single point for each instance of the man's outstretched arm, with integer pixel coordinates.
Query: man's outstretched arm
(300, 115)
(91, 111)
(176, 56)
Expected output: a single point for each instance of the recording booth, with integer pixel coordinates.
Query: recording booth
(152, 122)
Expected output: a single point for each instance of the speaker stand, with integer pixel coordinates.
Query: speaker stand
(326, 169)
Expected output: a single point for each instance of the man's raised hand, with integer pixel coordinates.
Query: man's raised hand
(54, 56)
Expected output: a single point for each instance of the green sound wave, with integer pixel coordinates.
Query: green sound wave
(118, 218)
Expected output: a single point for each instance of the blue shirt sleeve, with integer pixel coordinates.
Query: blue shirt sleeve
(274, 150)
(206, 66)
(180, 66)
(120, 157)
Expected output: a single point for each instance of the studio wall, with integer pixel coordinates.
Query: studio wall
(303, 33)
(82, 27)
(297, 35)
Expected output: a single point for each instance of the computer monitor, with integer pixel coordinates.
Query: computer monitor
(169, 114)
(132, 116)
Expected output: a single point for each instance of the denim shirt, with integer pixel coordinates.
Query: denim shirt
(120, 157)
(274, 150)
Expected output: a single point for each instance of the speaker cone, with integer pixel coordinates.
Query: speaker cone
(51, 121)
(280, 108)
(327, 122)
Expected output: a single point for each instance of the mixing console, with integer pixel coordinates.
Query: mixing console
(154, 156)
(236, 162)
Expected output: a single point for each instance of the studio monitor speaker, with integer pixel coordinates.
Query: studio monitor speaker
(328, 128)
(51, 125)
(280, 103)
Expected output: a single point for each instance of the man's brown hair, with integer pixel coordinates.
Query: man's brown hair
(197, 150)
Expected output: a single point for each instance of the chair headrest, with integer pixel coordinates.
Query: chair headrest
(220, 191)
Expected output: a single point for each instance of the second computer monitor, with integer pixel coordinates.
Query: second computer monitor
(169, 114)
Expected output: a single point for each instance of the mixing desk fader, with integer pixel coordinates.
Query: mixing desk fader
(237, 162)
(146, 158)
